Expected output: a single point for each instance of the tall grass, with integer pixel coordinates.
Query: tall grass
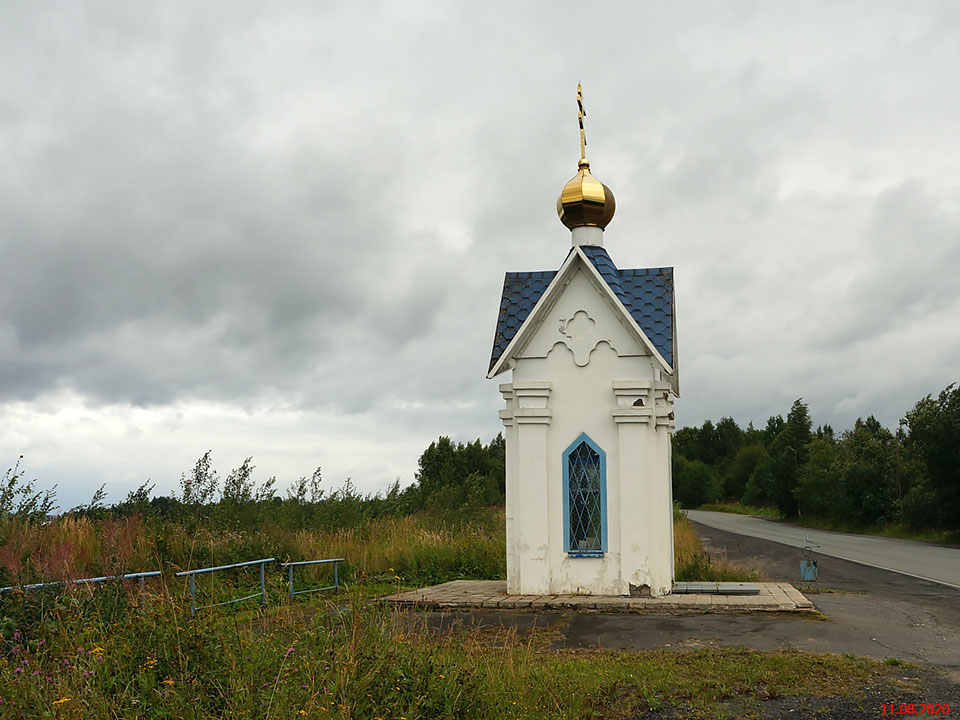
(692, 562)
(421, 548)
(418, 549)
(121, 652)
(741, 509)
(888, 529)
(363, 661)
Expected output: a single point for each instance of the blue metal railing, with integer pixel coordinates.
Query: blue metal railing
(191, 574)
(85, 581)
(336, 577)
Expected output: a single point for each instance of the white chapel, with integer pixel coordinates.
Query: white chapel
(589, 412)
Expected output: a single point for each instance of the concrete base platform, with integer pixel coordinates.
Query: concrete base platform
(772, 596)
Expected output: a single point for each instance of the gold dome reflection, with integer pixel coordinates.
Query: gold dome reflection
(585, 200)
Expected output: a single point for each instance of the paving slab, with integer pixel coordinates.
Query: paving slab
(696, 597)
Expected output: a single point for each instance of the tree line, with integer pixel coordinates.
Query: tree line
(452, 476)
(865, 476)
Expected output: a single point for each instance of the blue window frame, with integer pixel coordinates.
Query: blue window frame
(584, 499)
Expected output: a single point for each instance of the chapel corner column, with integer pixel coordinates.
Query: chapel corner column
(642, 539)
(531, 418)
(665, 424)
(510, 483)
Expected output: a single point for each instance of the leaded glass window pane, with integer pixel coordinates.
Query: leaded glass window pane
(586, 518)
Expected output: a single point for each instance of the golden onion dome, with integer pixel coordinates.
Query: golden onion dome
(585, 200)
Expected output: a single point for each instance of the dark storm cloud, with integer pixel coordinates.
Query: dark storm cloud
(158, 246)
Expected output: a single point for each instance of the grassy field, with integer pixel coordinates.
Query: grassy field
(739, 509)
(119, 652)
(356, 660)
(891, 530)
(414, 550)
(423, 548)
(692, 562)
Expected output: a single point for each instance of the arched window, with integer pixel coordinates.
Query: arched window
(584, 499)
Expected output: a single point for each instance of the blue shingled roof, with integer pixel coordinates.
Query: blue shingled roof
(521, 290)
(646, 293)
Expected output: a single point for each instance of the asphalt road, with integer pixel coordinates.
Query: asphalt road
(925, 561)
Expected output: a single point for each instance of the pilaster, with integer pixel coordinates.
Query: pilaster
(531, 416)
(510, 461)
(662, 494)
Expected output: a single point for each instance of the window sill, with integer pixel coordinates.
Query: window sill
(585, 554)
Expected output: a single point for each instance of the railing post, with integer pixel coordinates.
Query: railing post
(336, 575)
(193, 597)
(263, 586)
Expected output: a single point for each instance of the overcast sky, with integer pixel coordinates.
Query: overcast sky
(280, 229)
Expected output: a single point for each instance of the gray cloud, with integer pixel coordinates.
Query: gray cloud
(309, 210)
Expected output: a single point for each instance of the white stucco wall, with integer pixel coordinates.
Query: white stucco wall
(583, 371)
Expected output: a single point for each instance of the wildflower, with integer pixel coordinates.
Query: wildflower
(391, 570)
(301, 712)
(61, 700)
(168, 681)
(289, 652)
(97, 649)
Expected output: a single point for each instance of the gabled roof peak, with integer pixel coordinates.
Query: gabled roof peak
(645, 293)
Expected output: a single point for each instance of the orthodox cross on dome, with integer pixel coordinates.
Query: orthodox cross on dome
(585, 201)
(581, 113)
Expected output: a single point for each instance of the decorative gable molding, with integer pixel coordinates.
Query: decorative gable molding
(575, 330)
